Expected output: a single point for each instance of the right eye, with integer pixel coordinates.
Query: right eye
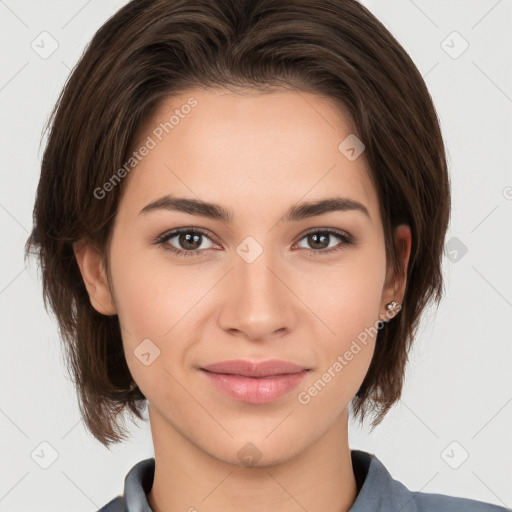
(190, 240)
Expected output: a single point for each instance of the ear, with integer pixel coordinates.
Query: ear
(394, 286)
(95, 279)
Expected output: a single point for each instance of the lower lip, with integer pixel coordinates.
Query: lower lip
(253, 390)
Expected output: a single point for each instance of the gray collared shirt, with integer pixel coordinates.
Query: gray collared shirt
(379, 492)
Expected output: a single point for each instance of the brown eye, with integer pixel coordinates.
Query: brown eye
(323, 241)
(319, 240)
(189, 241)
(186, 242)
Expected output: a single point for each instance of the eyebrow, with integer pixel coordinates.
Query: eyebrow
(217, 212)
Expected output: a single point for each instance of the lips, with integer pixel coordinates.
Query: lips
(255, 383)
(252, 369)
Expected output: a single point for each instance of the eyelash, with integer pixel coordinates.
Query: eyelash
(163, 239)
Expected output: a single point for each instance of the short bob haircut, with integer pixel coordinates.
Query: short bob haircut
(151, 50)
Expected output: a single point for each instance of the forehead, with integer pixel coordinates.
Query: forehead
(249, 150)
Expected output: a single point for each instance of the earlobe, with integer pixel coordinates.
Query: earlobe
(94, 276)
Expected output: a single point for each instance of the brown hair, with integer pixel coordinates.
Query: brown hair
(151, 49)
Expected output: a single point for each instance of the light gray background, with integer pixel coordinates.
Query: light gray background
(459, 383)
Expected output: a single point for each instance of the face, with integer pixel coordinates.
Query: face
(270, 280)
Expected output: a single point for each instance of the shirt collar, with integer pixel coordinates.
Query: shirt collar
(377, 489)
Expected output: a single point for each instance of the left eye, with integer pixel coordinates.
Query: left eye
(318, 238)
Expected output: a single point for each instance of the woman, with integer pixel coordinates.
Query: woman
(240, 220)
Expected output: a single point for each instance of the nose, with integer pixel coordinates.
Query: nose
(258, 304)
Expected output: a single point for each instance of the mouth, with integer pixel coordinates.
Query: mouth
(255, 383)
(270, 368)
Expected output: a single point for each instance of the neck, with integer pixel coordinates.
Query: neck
(189, 479)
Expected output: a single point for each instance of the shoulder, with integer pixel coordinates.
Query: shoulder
(137, 484)
(381, 492)
(442, 503)
(414, 501)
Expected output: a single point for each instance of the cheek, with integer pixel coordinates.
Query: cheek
(151, 295)
(349, 307)
(142, 297)
(346, 295)
(159, 301)
(347, 299)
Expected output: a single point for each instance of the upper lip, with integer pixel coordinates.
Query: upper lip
(254, 369)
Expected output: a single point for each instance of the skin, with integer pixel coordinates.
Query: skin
(256, 155)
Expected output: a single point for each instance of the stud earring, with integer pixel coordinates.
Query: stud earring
(392, 305)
